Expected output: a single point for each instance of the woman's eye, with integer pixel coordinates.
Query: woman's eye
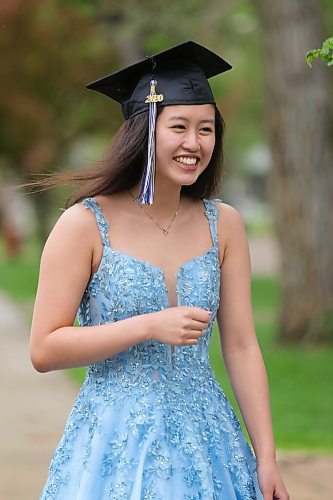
(207, 129)
(178, 126)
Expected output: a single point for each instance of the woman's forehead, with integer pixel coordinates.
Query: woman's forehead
(184, 111)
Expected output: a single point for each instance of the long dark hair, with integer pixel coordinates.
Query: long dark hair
(122, 166)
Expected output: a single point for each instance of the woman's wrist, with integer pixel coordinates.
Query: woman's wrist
(148, 326)
(266, 457)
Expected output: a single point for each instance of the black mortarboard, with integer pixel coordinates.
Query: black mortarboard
(181, 74)
(175, 76)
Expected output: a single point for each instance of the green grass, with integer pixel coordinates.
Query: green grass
(301, 391)
(300, 378)
(18, 276)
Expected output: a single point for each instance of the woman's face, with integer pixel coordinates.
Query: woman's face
(185, 139)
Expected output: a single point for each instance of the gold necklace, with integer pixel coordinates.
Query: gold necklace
(165, 230)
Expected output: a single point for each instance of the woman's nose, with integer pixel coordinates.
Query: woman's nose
(191, 141)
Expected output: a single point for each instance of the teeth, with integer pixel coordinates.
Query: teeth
(186, 160)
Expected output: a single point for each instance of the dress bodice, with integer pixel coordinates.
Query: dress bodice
(125, 286)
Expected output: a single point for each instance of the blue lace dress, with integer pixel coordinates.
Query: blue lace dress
(151, 423)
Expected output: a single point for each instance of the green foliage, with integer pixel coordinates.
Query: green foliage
(47, 50)
(325, 53)
(43, 102)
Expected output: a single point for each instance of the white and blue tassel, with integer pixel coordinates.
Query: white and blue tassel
(146, 193)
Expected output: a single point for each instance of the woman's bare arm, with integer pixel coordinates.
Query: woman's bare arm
(240, 348)
(65, 270)
(239, 344)
(64, 273)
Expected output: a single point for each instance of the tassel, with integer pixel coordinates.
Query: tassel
(146, 193)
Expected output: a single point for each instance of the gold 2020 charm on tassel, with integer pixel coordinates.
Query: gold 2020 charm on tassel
(153, 97)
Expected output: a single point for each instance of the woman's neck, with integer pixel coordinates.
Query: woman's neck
(166, 201)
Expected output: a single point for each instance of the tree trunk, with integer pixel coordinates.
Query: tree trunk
(301, 182)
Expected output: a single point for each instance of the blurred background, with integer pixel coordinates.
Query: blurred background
(278, 173)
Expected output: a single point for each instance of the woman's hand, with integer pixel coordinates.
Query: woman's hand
(270, 482)
(179, 325)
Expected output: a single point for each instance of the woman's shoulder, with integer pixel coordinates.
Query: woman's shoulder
(75, 222)
(76, 215)
(71, 239)
(227, 214)
(230, 222)
(89, 213)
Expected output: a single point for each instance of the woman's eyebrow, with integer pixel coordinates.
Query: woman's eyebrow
(205, 120)
(177, 117)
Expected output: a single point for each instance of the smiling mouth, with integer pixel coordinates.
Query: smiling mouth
(187, 161)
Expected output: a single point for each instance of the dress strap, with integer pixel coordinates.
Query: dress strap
(102, 223)
(212, 214)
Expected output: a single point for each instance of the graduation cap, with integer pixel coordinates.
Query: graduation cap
(175, 76)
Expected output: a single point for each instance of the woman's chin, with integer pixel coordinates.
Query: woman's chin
(187, 174)
(180, 176)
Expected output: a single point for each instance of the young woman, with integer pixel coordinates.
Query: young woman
(148, 281)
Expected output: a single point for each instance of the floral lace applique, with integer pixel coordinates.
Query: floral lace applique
(150, 423)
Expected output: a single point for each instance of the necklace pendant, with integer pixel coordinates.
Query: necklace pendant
(164, 230)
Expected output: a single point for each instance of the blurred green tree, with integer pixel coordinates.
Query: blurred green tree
(299, 117)
(47, 50)
(50, 49)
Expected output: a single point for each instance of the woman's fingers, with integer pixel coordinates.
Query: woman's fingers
(182, 325)
(199, 314)
(198, 325)
(191, 337)
(194, 334)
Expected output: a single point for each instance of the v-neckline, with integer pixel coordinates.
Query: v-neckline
(161, 270)
(152, 266)
(107, 246)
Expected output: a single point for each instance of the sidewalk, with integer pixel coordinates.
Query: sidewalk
(34, 408)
